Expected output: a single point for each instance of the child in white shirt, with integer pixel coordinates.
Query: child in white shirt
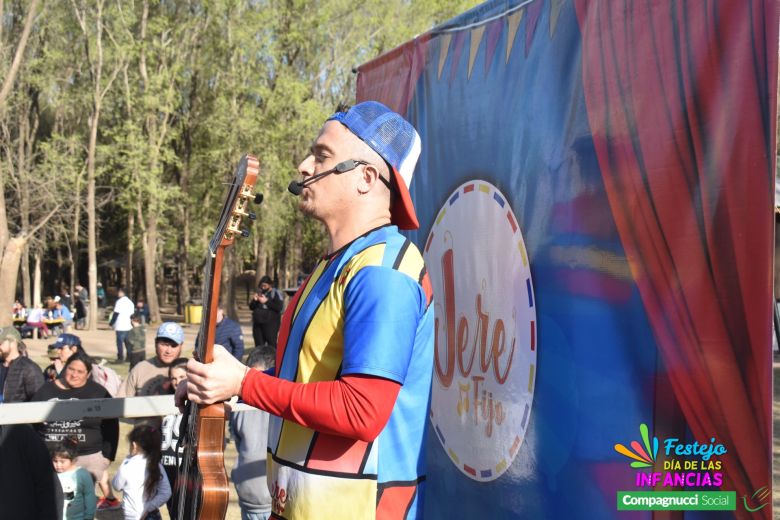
(141, 476)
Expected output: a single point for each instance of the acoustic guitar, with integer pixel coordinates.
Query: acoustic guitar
(201, 489)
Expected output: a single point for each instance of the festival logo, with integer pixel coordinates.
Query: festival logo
(644, 457)
(689, 478)
(485, 358)
(685, 464)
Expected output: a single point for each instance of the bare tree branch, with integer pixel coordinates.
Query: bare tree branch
(11, 77)
(44, 220)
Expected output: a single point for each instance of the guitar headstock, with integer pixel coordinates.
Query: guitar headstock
(242, 194)
(236, 207)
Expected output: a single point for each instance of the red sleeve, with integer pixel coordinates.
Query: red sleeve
(356, 406)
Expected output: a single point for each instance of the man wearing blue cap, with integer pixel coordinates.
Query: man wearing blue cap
(150, 376)
(349, 395)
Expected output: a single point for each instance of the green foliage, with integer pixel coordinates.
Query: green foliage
(199, 83)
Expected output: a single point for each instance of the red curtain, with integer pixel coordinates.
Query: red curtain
(681, 102)
(392, 77)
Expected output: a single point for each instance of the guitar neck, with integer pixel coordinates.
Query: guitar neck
(202, 484)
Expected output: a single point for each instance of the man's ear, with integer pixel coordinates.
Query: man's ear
(369, 177)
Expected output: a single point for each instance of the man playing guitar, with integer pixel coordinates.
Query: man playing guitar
(349, 395)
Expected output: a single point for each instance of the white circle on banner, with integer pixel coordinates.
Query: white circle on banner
(485, 352)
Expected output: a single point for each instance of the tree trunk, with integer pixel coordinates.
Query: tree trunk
(91, 220)
(299, 266)
(262, 264)
(127, 276)
(281, 275)
(182, 283)
(10, 76)
(37, 279)
(186, 172)
(228, 296)
(183, 259)
(24, 206)
(73, 247)
(150, 262)
(58, 281)
(27, 293)
(99, 90)
(9, 270)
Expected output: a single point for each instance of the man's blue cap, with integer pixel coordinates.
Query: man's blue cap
(397, 142)
(172, 331)
(70, 340)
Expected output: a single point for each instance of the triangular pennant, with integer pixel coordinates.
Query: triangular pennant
(555, 11)
(460, 39)
(513, 22)
(494, 30)
(476, 39)
(534, 14)
(444, 49)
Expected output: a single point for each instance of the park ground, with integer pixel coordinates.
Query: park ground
(100, 343)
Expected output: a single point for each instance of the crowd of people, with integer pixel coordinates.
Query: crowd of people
(81, 451)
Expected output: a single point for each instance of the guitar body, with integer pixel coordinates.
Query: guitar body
(202, 488)
(207, 486)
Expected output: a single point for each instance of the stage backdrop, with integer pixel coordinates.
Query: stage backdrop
(595, 194)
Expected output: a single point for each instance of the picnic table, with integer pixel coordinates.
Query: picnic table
(55, 325)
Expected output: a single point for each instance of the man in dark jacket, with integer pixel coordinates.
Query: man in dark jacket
(228, 334)
(266, 306)
(20, 377)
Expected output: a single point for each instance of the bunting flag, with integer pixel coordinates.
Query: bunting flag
(444, 48)
(596, 217)
(513, 23)
(476, 41)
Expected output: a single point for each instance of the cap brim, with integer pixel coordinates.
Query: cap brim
(174, 340)
(402, 213)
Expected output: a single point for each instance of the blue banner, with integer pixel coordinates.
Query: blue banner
(581, 231)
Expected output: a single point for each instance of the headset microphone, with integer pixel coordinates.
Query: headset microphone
(296, 188)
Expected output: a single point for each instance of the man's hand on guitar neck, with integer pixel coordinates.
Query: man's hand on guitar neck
(212, 382)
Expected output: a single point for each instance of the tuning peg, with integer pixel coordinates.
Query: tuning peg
(251, 215)
(258, 198)
(244, 233)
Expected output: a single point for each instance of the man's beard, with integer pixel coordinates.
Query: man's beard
(305, 207)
